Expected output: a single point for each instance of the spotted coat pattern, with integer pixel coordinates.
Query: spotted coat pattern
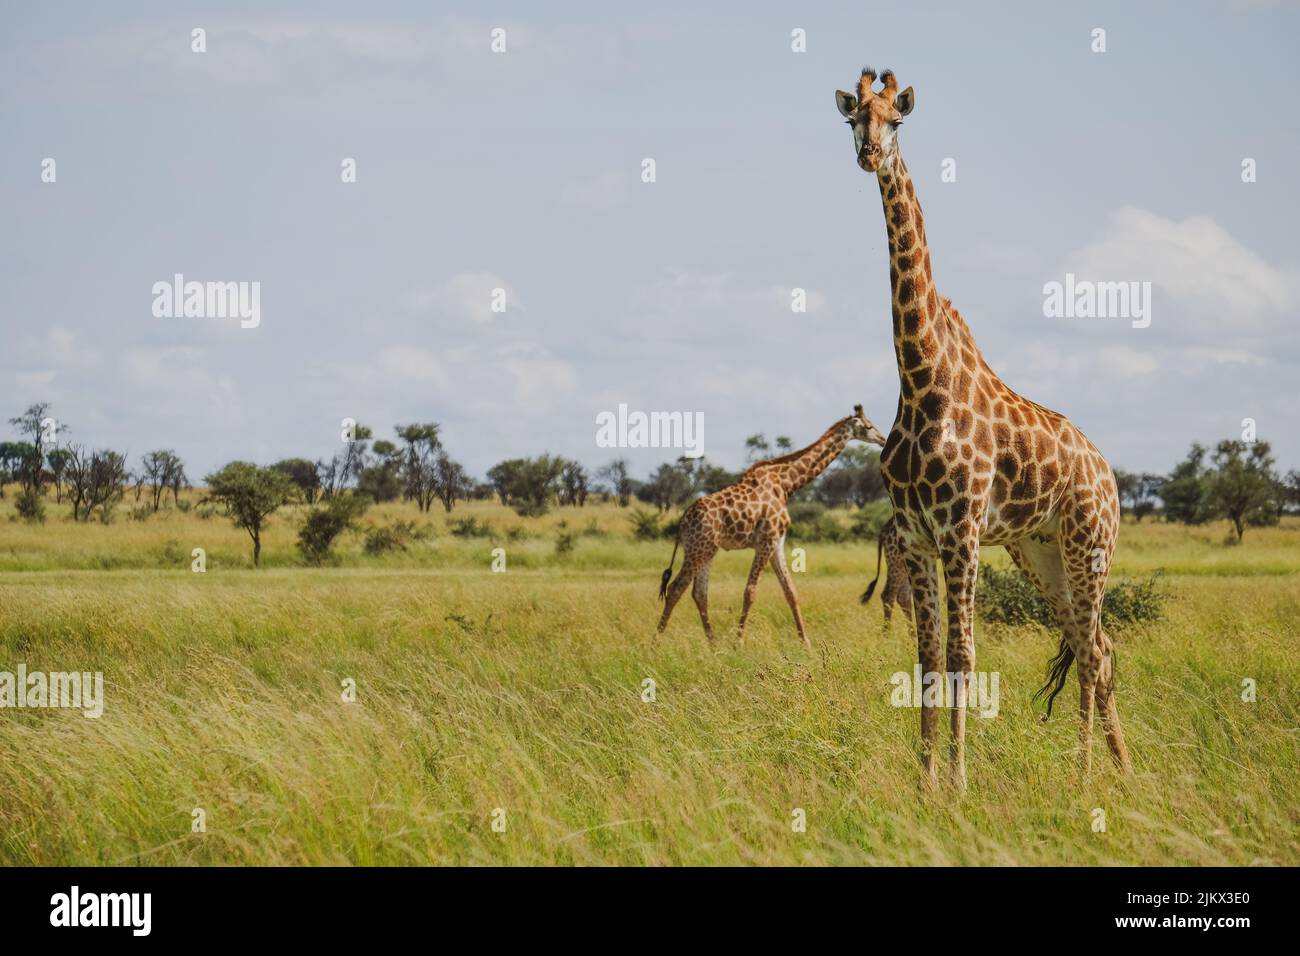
(971, 462)
(898, 586)
(752, 514)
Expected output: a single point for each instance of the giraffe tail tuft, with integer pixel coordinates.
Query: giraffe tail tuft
(668, 571)
(871, 588)
(1058, 669)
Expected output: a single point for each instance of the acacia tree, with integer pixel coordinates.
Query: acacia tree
(420, 462)
(41, 433)
(574, 484)
(450, 481)
(1242, 485)
(95, 480)
(617, 478)
(303, 474)
(345, 466)
(250, 495)
(57, 459)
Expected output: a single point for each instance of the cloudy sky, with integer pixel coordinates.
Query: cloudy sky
(522, 171)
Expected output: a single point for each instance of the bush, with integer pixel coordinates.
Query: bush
(184, 506)
(394, 537)
(323, 525)
(564, 543)
(517, 533)
(645, 525)
(141, 513)
(871, 519)
(1128, 602)
(1007, 597)
(811, 521)
(30, 507)
(471, 527)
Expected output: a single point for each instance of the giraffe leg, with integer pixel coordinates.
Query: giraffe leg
(925, 595)
(1088, 543)
(762, 554)
(700, 592)
(888, 595)
(676, 590)
(960, 552)
(1107, 707)
(783, 575)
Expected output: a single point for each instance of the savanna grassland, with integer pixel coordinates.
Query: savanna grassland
(523, 691)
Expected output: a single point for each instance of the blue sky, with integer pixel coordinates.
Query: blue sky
(522, 171)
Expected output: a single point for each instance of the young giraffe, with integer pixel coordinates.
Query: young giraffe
(969, 461)
(897, 589)
(752, 514)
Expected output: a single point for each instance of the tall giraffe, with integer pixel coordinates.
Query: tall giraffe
(969, 461)
(752, 514)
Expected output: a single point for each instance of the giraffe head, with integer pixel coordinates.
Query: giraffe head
(861, 429)
(875, 118)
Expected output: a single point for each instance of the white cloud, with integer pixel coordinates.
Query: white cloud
(1195, 262)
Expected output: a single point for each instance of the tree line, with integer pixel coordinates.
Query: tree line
(1236, 480)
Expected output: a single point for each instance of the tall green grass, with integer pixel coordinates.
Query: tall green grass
(523, 692)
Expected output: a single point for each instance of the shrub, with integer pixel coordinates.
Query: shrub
(517, 533)
(564, 543)
(645, 525)
(30, 507)
(1128, 602)
(471, 527)
(871, 518)
(184, 506)
(394, 537)
(811, 521)
(1007, 597)
(324, 524)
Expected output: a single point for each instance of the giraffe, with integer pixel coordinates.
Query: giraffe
(971, 462)
(751, 514)
(897, 589)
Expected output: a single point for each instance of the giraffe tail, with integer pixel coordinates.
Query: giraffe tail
(668, 572)
(871, 588)
(1058, 669)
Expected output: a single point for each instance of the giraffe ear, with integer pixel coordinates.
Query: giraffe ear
(904, 101)
(846, 102)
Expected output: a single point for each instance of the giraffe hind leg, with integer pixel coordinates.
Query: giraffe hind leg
(787, 586)
(700, 592)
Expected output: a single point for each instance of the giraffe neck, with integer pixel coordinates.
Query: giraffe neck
(806, 464)
(921, 328)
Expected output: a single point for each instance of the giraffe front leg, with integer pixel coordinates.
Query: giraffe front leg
(925, 602)
(960, 553)
(783, 575)
(762, 554)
